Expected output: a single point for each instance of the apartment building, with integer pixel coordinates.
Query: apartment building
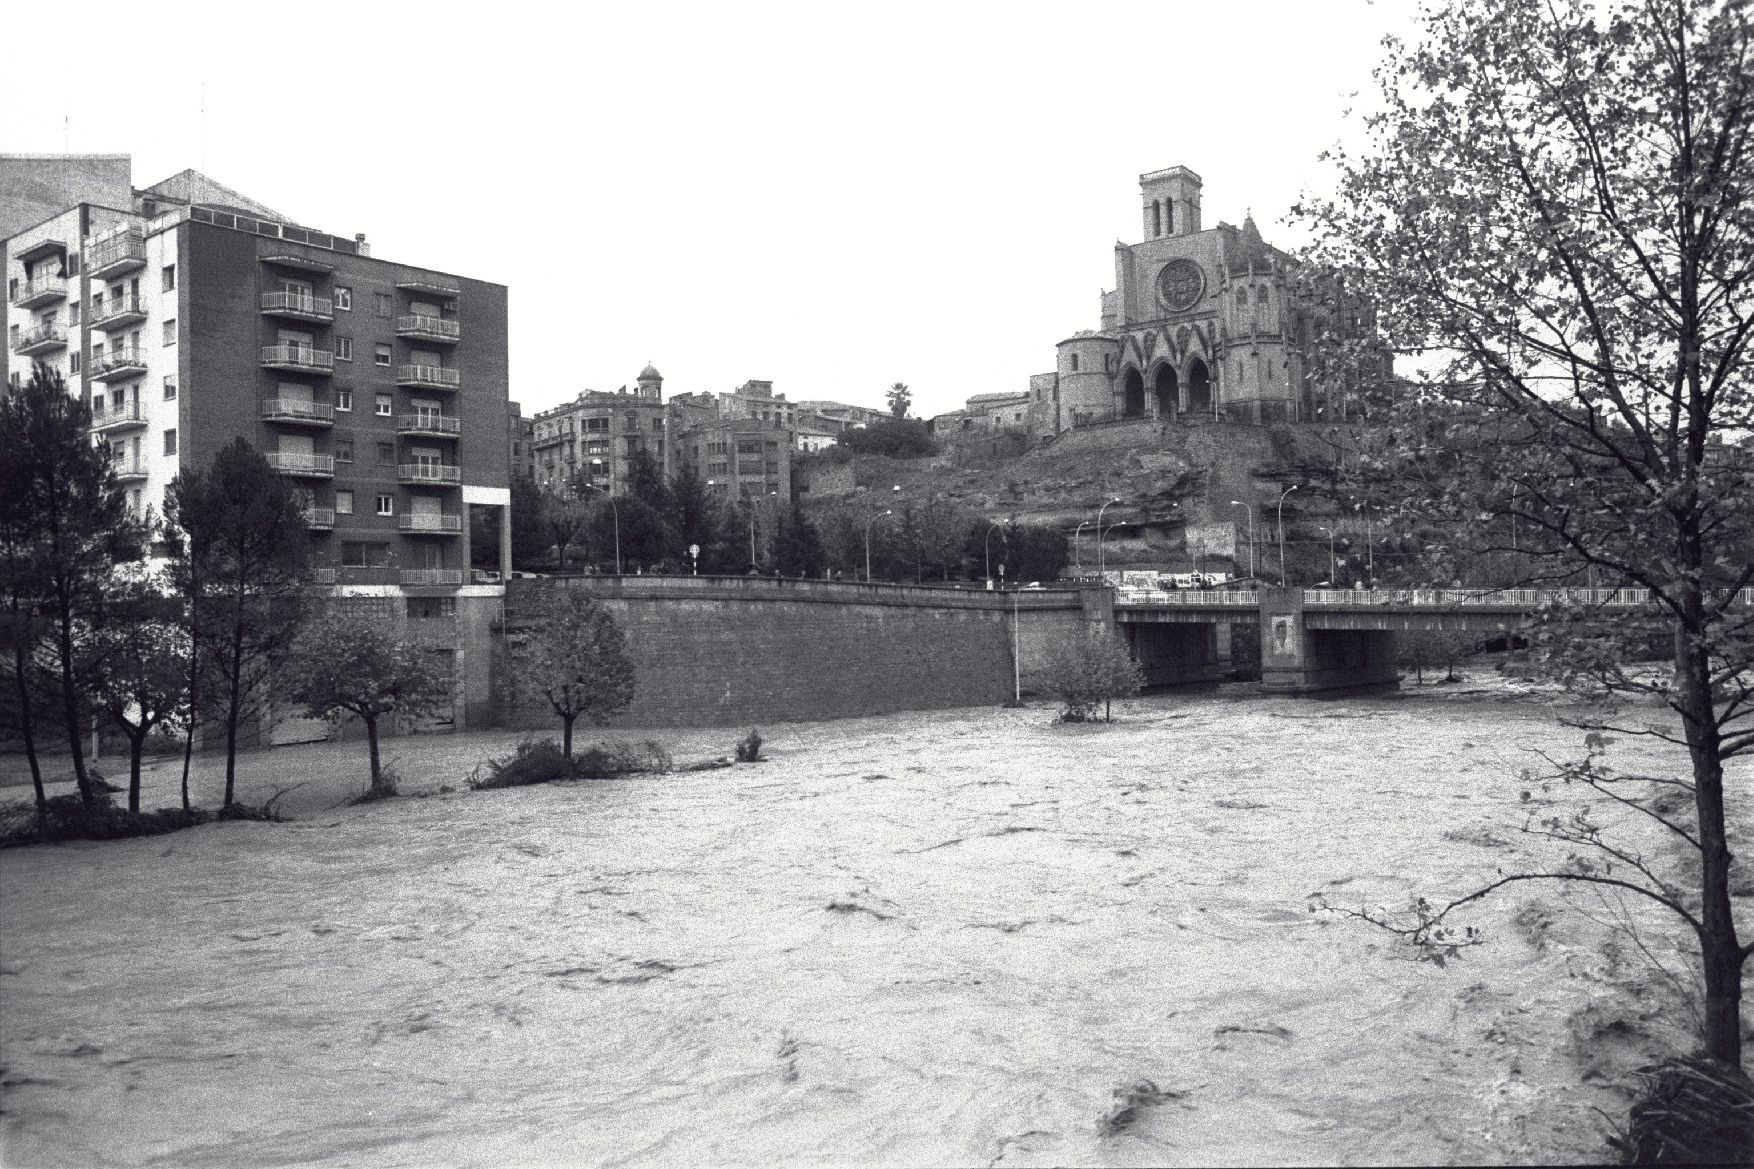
(593, 440)
(195, 316)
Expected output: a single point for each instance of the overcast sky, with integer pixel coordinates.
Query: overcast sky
(833, 197)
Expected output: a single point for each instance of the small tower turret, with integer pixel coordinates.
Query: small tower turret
(1171, 202)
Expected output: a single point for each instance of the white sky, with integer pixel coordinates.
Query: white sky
(833, 197)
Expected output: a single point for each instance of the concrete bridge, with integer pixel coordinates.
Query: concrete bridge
(1326, 639)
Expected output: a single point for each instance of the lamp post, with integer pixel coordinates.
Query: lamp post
(1078, 548)
(1332, 569)
(1281, 525)
(617, 513)
(991, 528)
(1100, 563)
(1251, 515)
(868, 524)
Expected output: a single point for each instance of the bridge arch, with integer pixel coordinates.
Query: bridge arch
(1132, 394)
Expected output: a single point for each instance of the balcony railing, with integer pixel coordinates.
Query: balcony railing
(42, 339)
(128, 417)
(440, 525)
(116, 256)
(319, 519)
(129, 472)
(301, 357)
(432, 576)
(323, 576)
(42, 290)
(428, 375)
(437, 473)
(302, 305)
(294, 463)
(117, 312)
(439, 424)
(118, 363)
(419, 325)
(299, 412)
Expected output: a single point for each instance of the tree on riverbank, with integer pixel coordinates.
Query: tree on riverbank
(1085, 672)
(574, 659)
(1554, 198)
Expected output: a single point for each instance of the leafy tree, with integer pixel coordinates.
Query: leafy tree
(240, 560)
(353, 665)
(1037, 552)
(565, 519)
(529, 537)
(797, 547)
(574, 658)
(645, 482)
(1554, 198)
(1084, 671)
(900, 399)
(1432, 647)
(895, 438)
(66, 529)
(694, 514)
(141, 665)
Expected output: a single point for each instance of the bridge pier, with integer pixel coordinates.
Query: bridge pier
(1296, 659)
(1179, 654)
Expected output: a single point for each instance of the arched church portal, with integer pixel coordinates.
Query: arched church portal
(1199, 387)
(1133, 395)
(1167, 392)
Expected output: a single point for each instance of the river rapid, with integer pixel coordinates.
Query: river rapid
(971, 937)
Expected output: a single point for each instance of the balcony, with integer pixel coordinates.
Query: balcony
(429, 474)
(129, 472)
(430, 425)
(308, 466)
(417, 327)
(320, 519)
(43, 290)
(41, 250)
(127, 418)
(302, 358)
(116, 256)
(432, 576)
(428, 377)
(117, 363)
(295, 412)
(322, 576)
(431, 525)
(45, 338)
(428, 286)
(118, 312)
(299, 306)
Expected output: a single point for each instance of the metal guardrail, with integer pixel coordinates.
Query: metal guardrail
(439, 524)
(44, 336)
(429, 473)
(428, 424)
(295, 463)
(42, 288)
(1521, 599)
(298, 303)
(117, 310)
(428, 375)
(296, 410)
(432, 576)
(421, 325)
(298, 356)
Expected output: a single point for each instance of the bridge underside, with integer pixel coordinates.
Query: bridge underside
(1330, 660)
(1179, 653)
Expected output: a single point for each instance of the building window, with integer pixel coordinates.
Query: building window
(344, 503)
(386, 505)
(170, 388)
(170, 441)
(386, 454)
(359, 554)
(385, 304)
(1074, 363)
(344, 400)
(343, 298)
(386, 405)
(73, 362)
(170, 277)
(344, 349)
(73, 313)
(381, 355)
(1261, 294)
(170, 331)
(343, 448)
(429, 608)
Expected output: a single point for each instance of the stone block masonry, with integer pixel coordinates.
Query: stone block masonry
(729, 651)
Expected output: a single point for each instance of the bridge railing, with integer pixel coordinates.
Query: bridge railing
(1520, 599)
(1227, 598)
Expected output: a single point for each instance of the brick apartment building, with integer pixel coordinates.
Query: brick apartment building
(194, 315)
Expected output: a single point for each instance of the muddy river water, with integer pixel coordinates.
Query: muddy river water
(965, 937)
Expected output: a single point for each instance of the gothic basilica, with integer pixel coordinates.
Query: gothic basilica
(1203, 323)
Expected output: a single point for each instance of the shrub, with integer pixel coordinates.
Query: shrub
(749, 747)
(544, 761)
(69, 818)
(1085, 672)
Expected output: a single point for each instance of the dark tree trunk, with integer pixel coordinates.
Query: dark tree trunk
(70, 704)
(136, 745)
(566, 734)
(233, 712)
(27, 728)
(1720, 948)
(371, 736)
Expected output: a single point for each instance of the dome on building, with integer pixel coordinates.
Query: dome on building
(650, 374)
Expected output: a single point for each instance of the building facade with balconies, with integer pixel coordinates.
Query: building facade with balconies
(379, 389)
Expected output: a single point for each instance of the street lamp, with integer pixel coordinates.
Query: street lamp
(1332, 570)
(617, 513)
(1282, 495)
(1077, 548)
(988, 542)
(868, 524)
(1251, 515)
(1099, 559)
